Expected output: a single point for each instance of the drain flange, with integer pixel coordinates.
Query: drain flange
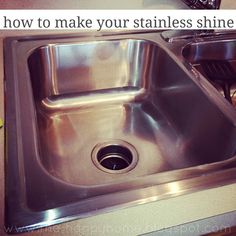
(115, 156)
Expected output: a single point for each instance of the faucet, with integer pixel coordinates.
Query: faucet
(196, 35)
(203, 4)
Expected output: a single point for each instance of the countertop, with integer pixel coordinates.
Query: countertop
(100, 4)
(141, 218)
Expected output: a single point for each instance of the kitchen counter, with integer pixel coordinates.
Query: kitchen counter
(100, 4)
(141, 218)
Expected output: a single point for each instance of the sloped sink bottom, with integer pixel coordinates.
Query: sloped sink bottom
(110, 119)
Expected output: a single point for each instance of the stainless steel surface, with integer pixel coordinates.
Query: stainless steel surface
(130, 100)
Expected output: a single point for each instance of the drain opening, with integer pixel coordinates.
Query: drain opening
(115, 157)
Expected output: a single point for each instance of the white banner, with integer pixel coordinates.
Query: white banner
(100, 20)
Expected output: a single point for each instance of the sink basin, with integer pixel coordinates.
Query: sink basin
(221, 50)
(99, 123)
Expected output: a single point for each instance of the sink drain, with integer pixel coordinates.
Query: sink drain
(115, 156)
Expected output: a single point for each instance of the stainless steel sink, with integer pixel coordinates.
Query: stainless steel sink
(96, 123)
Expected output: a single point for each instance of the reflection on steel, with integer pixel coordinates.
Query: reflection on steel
(78, 106)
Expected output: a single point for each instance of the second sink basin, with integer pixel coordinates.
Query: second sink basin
(215, 57)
